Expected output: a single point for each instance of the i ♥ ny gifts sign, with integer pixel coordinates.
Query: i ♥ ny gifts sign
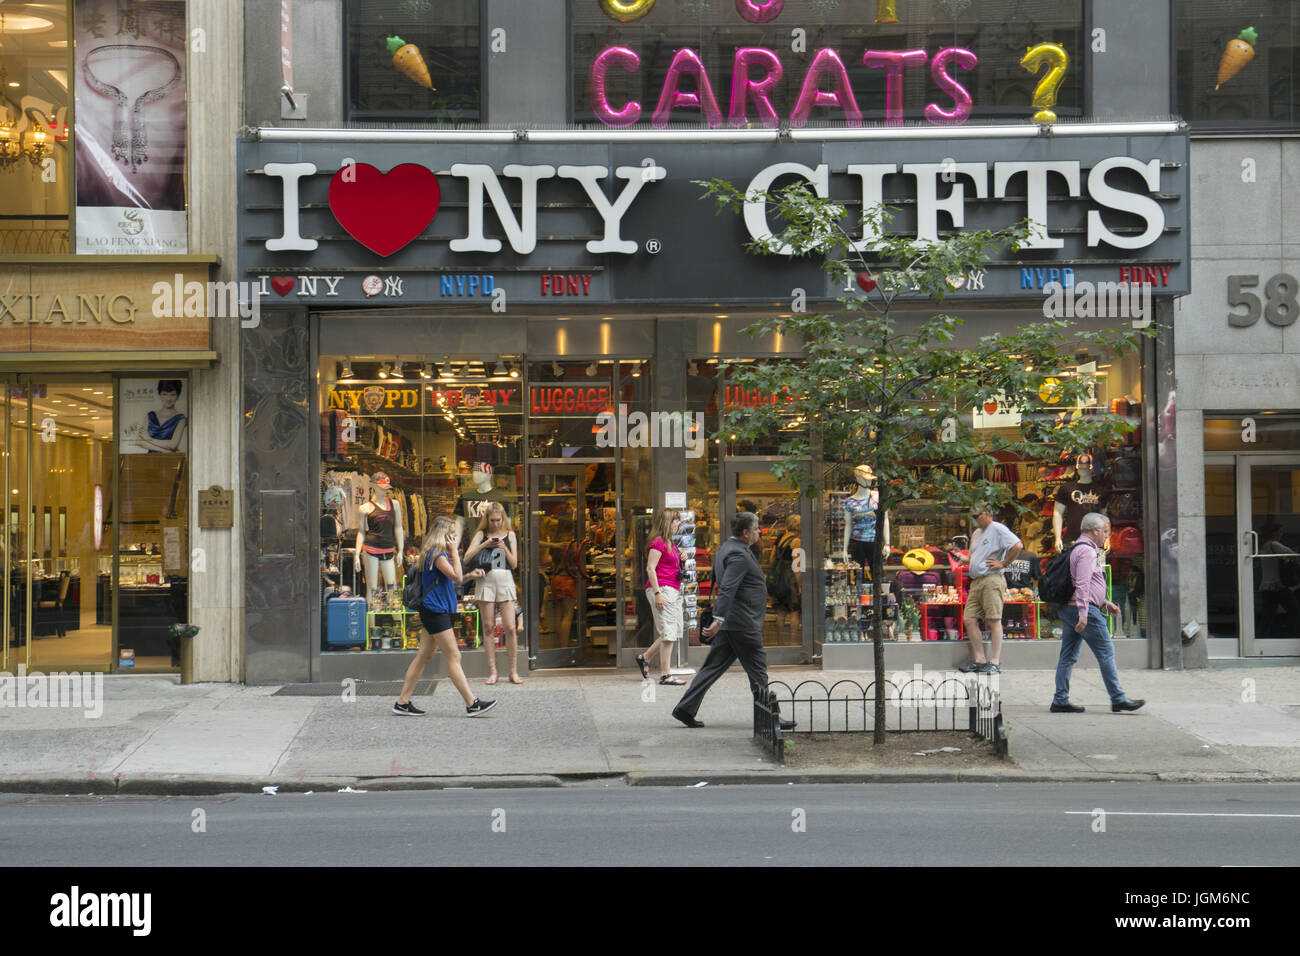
(390, 223)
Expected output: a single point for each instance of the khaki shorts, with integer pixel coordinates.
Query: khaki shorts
(496, 586)
(984, 602)
(668, 622)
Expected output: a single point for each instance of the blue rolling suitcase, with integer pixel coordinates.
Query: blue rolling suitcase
(345, 622)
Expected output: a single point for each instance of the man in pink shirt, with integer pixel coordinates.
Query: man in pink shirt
(1084, 621)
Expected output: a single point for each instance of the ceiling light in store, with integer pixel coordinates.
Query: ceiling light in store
(500, 368)
(383, 370)
(692, 369)
(426, 370)
(592, 369)
(636, 370)
(514, 371)
(444, 372)
(555, 368)
(346, 372)
(397, 370)
(24, 23)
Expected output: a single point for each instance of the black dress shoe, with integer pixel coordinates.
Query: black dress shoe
(687, 719)
(1067, 709)
(1123, 705)
(787, 725)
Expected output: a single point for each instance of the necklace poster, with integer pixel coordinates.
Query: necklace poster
(130, 127)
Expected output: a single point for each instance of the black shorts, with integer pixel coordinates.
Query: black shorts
(435, 622)
(862, 552)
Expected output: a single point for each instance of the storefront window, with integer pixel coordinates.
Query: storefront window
(56, 439)
(414, 61)
(35, 158)
(404, 440)
(962, 61)
(1239, 64)
(1049, 497)
(153, 497)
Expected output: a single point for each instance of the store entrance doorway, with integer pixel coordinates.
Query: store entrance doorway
(1268, 518)
(573, 605)
(1252, 538)
(785, 518)
(58, 484)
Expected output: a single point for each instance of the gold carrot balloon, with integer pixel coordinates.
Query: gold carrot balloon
(408, 61)
(1239, 51)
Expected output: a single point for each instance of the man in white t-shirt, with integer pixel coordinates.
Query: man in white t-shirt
(992, 548)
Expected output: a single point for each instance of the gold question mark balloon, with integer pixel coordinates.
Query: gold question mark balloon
(627, 10)
(1057, 61)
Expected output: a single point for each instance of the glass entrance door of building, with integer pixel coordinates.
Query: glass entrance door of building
(785, 518)
(58, 480)
(573, 603)
(1268, 529)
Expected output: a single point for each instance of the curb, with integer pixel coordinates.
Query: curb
(187, 785)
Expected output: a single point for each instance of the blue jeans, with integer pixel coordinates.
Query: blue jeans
(1098, 638)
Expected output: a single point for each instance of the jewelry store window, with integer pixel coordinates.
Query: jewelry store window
(405, 439)
(415, 61)
(122, 65)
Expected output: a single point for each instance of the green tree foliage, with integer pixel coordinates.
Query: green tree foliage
(897, 391)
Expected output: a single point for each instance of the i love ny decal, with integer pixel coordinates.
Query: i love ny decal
(384, 211)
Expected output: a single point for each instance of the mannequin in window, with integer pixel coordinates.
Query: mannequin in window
(380, 537)
(860, 539)
(1074, 500)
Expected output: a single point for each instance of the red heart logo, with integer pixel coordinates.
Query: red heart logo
(384, 211)
(990, 407)
(283, 284)
(865, 282)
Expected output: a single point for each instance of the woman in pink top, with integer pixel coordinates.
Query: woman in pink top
(664, 592)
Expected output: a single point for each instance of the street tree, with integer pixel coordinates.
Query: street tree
(897, 390)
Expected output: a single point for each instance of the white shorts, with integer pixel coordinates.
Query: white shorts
(496, 586)
(668, 622)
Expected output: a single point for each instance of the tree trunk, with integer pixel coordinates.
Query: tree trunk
(878, 618)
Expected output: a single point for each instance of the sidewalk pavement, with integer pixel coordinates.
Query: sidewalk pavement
(156, 736)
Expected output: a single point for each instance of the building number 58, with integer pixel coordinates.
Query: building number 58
(1279, 306)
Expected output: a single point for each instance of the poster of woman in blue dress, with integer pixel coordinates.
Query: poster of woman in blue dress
(153, 417)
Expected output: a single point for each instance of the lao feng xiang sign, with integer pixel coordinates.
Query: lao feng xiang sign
(629, 221)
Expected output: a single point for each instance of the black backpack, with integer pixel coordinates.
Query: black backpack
(413, 593)
(1056, 586)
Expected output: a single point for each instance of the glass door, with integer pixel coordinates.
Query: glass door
(785, 518)
(573, 619)
(58, 544)
(1268, 509)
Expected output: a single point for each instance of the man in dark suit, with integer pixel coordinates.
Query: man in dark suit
(739, 605)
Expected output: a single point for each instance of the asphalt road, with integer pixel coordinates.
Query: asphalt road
(1164, 825)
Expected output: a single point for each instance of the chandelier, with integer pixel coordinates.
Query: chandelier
(10, 146)
(36, 143)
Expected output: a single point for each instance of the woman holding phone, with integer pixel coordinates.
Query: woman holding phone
(495, 549)
(440, 572)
